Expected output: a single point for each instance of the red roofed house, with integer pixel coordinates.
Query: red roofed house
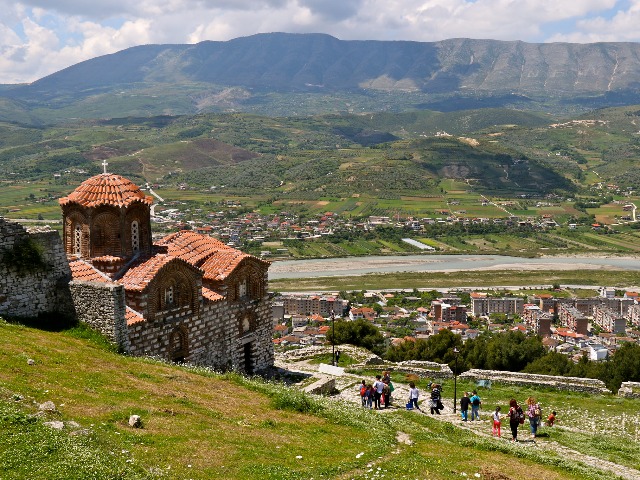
(187, 297)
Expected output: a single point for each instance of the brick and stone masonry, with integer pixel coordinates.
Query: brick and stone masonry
(39, 290)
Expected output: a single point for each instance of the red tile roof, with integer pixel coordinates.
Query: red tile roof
(83, 271)
(139, 276)
(106, 189)
(192, 247)
(211, 295)
(131, 316)
(216, 259)
(220, 265)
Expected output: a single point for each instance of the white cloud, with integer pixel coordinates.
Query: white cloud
(38, 37)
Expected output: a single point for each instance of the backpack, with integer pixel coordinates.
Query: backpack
(363, 391)
(476, 401)
(520, 415)
(537, 412)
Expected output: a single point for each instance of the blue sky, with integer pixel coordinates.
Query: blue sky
(40, 37)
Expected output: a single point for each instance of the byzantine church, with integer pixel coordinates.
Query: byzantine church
(186, 298)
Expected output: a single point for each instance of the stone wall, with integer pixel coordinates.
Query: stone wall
(436, 371)
(40, 289)
(629, 390)
(574, 384)
(214, 335)
(101, 305)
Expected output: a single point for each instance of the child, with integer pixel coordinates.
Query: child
(413, 395)
(551, 419)
(496, 422)
(370, 396)
(363, 393)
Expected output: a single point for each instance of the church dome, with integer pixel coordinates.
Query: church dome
(106, 189)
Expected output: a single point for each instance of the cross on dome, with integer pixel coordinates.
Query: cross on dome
(104, 165)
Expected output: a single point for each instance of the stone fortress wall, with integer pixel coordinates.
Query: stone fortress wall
(40, 289)
(101, 306)
(438, 372)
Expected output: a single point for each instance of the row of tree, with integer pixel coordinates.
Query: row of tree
(509, 351)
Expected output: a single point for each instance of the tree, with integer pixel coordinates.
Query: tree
(512, 351)
(437, 348)
(553, 363)
(360, 332)
(624, 366)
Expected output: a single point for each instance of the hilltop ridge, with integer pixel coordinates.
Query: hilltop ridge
(285, 74)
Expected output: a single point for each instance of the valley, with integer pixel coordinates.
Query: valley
(342, 185)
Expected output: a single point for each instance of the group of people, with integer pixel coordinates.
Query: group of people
(435, 397)
(377, 394)
(517, 416)
(473, 401)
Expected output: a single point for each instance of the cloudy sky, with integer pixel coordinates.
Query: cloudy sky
(39, 37)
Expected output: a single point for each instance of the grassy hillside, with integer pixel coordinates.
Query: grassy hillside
(381, 164)
(199, 424)
(196, 424)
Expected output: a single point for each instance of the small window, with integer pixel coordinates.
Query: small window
(168, 296)
(242, 288)
(77, 240)
(135, 236)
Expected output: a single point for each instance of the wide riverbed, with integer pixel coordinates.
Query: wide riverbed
(327, 267)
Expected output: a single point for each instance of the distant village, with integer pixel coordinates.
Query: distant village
(236, 227)
(594, 326)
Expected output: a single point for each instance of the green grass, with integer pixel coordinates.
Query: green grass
(199, 424)
(458, 279)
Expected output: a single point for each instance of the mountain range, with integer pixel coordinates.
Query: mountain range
(289, 74)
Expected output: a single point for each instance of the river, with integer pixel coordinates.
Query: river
(327, 267)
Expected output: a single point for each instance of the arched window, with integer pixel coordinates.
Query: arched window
(135, 236)
(168, 296)
(77, 239)
(242, 288)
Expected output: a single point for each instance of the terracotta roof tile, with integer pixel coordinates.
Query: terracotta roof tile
(83, 271)
(192, 247)
(106, 189)
(216, 259)
(219, 266)
(139, 276)
(131, 316)
(211, 295)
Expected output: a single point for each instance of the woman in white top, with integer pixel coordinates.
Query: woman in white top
(413, 395)
(496, 422)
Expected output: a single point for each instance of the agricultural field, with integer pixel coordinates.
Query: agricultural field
(464, 279)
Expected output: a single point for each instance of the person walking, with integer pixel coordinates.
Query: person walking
(378, 387)
(465, 401)
(475, 406)
(515, 416)
(370, 396)
(435, 403)
(496, 422)
(534, 413)
(413, 395)
(363, 393)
